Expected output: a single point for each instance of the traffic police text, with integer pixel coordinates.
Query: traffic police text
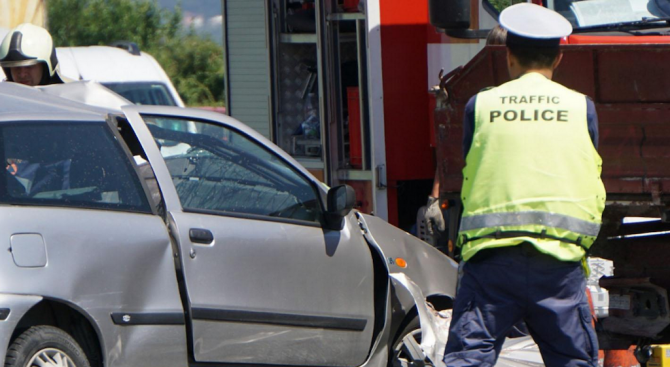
(516, 113)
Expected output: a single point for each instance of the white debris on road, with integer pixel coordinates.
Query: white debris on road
(516, 352)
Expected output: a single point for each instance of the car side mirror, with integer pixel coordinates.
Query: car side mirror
(341, 200)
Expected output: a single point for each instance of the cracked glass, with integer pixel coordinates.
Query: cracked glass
(218, 169)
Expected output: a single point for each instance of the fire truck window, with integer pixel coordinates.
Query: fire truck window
(590, 13)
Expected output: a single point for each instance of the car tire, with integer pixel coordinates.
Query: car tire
(406, 341)
(52, 346)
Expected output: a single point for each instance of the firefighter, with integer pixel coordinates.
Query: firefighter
(533, 201)
(28, 56)
(433, 215)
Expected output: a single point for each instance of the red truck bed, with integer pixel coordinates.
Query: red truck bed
(630, 85)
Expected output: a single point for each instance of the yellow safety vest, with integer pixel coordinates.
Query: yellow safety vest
(532, 173)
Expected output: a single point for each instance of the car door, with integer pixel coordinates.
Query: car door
(266, 282)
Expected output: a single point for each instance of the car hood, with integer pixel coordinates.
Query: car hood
(87, 92)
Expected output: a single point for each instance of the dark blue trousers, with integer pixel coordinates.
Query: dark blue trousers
(500, 287)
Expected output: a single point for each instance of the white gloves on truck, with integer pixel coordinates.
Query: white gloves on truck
(433, 216)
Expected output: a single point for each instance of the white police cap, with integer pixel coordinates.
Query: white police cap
(533, 25)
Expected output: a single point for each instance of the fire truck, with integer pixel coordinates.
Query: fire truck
(344, 87)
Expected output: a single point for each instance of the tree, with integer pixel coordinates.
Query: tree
(193, 63)
(499, 5)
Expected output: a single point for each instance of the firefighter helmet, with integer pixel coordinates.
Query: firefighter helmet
(26, 45)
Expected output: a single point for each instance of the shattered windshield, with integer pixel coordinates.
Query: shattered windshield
(598, 13)
(218, 169)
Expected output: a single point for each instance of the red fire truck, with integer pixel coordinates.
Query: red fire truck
(343, 86)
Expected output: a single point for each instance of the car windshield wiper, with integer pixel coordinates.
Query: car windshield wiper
(644, 22)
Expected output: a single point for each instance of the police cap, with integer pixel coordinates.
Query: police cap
(530, 25)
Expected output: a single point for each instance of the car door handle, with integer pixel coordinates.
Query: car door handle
(199, 235)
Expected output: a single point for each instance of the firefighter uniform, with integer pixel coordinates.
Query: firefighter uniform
(533, 202)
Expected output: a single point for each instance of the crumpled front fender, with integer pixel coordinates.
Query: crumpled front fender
(434, 324)
(427, 272)
(434, 272)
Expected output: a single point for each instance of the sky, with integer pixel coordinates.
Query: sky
(203, 15)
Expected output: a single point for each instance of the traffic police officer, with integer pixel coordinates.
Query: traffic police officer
(533, 202)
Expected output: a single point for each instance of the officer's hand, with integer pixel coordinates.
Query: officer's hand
(433, 216)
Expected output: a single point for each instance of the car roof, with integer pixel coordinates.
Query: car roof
(20, 102)
(108, 64)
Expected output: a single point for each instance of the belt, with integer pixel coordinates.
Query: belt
(513, 234)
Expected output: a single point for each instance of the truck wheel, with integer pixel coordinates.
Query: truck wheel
(406, 350)
(45, 346)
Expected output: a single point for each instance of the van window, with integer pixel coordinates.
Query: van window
(67, 164)
(143, 93)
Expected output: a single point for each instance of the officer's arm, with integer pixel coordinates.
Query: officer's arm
(468, 125)
(592, 121)
(433, 214)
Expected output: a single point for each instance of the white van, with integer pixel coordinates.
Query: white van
(122, 68)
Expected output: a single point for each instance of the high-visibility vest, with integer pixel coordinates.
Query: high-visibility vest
(532, 173)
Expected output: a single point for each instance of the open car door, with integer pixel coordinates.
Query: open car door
(267, 283)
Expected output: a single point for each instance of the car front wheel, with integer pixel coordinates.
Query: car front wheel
(406, 349)
(45, 346)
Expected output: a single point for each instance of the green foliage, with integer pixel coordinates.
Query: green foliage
(199, 65)
(194, 64)
(499, 5)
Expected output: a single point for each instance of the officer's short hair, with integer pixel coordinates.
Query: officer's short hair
(541, 57)
(497, 36)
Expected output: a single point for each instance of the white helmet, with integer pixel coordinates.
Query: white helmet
(27, 45)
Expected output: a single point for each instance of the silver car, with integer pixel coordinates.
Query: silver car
(160, 236)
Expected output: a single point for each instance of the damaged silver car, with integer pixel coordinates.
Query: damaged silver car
(159, 236)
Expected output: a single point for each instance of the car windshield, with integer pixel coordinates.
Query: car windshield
(588, 14)
(143, 93)
(240, 157)
(215, 168)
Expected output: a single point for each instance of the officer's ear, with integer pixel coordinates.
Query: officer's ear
(513, 65)
(511, 59)
(557, 61)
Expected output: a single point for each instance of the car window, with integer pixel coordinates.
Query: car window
(143, 93)
(68, 164)
(215, 168)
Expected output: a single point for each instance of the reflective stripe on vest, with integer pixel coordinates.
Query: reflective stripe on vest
(532, 172)
(523, 218)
